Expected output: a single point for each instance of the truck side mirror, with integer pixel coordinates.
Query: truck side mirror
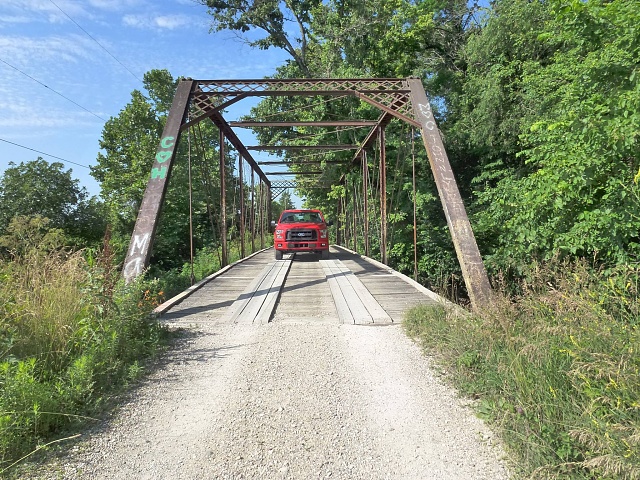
(273, 225)
(330, 223)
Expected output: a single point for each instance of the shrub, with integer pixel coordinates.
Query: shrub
(71, 333)
(555, 369)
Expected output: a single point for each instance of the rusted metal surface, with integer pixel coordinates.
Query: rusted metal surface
(365, 192)
(383, 195)
(403, 99)
(302, 147)
(278, 188)
(389, 94)
(139, 250)
(210, 109)
(252, 222)
(473, 270)
(304, 162)
(223, 202)
(311, 172)
(242, 205)
(222, 124)
(324, 123)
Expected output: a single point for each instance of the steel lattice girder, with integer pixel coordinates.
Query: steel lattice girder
(389, 94)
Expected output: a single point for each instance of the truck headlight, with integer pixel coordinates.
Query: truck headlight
(279, 233)
(323, 233)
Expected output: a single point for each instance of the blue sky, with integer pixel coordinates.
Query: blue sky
(42, 51)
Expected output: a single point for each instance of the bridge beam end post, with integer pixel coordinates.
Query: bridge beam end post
(473, 269)
(140, 246)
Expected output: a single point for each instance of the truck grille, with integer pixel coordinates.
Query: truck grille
(301, 235)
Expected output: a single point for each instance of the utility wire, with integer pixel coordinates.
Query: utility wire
(57, 93)
(98, 43)
(43, 153)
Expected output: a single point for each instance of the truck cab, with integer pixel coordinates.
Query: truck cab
(301, 231)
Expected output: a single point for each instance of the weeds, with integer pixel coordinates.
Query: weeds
(70, 334)
(556, 369)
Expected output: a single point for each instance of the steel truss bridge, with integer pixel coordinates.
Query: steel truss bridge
(403, 99)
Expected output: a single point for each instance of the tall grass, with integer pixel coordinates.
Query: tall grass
(555, 369)
(70, 335)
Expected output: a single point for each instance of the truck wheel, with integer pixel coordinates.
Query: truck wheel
(278, 255)
(325, 254)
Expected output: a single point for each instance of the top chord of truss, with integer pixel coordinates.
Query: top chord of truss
(324, 123)
(299, 86)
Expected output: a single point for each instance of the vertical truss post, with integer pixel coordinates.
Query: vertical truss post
(473, 270)
(269, 205)
(415, 208)
(355, 225)
(365, 191)
(383, 195)
(339, 222)
(241, 182)
(223, 202)
(252, 222)
(261, 215)
(139, 251)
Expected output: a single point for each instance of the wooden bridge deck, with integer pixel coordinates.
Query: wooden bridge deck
(347, 288)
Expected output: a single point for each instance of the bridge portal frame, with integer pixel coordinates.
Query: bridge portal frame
(404, 99)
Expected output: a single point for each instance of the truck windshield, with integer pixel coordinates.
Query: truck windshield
(301, 217)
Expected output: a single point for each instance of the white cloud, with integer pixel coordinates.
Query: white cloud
(21, 50)
(39, 10)
(7, 19)
(157, 22)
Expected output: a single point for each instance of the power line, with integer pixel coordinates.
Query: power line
(43, 153)
(54, 91)
(98, 43)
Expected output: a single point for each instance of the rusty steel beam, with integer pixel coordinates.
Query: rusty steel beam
(365, 192)
(295, 173)
(302, 147)
(139, 250)
(383, 195)
(336, 123)
(222, 124)
(252, 223)
(216, 108)
(305, 162)
(473, 269)
(223, 202)
(387, 109)
(241, 183)
(372, 136)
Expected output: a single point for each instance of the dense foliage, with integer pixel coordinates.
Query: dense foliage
(555, 369)
(41, 188)
(70, 334)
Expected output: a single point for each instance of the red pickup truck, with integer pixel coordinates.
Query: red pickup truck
(301, 231)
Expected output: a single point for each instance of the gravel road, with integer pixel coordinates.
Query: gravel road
(289, 400)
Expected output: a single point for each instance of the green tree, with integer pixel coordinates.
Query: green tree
(276, 19)
(40, 188)
(129, 142)
(563, 150)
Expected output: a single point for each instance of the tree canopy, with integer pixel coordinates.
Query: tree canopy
(40, 188)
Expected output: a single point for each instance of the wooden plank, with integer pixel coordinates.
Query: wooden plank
(240, 305)
(271, 298)
(357, 307)
(253, 306)
(358, 311)
(377, 313)
(344, 314)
